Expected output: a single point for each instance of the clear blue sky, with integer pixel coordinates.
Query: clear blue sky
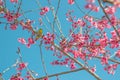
(9, 44)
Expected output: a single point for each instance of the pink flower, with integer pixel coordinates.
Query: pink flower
(13, 1)
(93, 69)
(114, 35)
(28, 45)
(92, 7)
(104, 60)
(31, 41)
(114, 43)
(118, 54)
(44, 10)
(13, 26)
(22, 66)
(114, 66)
(111, 68)
(71, 2)
(10, 17)
(103, 42)
(89, 18)
(110, 9)
(74, 24)
(91, 1)
(72, 65)
(48, 38)
(81, 22)
(22, 40)
(75, 53)
(1, 2)
(113, 20)
(16, 78)
(46, 78)
(82, 56)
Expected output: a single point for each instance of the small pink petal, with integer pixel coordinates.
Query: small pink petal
(31, 41)
(22, 40)
(71, 2)
(28, 45)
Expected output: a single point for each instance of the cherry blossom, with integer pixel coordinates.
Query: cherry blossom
(118, 54)
(10, 16)
(44, 10)
(110, 10)
(22, 40)
(48, 38)
(1, 2)
(71, 2)
(28, 44)
(91, 35)
(13, 1)
(111, 68)
(72, 65)
(90, 1)
(22, 66)
(104, 60)
(92, 7)
(93, 69)
(13, 26)
(46, 78)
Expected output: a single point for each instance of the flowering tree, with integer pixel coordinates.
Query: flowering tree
(76, 35)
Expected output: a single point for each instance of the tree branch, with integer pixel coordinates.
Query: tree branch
(62, 73)
(79, 63)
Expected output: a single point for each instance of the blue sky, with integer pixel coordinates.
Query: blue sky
(9, 44)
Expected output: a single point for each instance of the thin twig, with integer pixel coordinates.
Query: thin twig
(56, 14)
(42, 59)
(56, 18)
(46, 17)
(62, 73)
(7, 69)
(20, 56)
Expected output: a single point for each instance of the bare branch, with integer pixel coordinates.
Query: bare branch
(62, 73)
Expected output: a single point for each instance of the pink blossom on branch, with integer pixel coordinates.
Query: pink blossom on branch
(110, 10)
(117, 54)
(93, 69)
(13, 1)
(10, 16)
(16, 78)
(92, 7)
(22, 40)
(22, 66)
(46, 78)
(111, 68)
(1, 2)
(90, 1)
(104, 60)
(44, 10)
(28, 44)
(13, 26)
(71, 2)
